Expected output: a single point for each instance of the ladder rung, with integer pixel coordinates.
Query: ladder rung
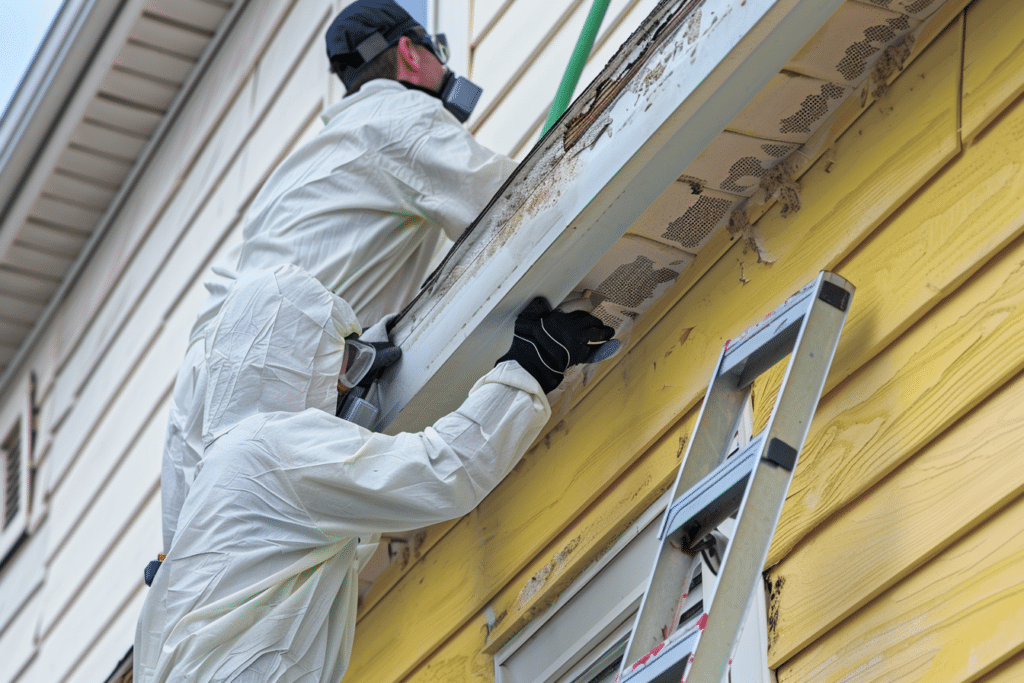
(769, 340)
(714, 498)
(667, 662)
(752, 484)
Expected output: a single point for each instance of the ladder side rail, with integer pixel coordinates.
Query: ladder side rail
(709, 443)
(659, 604)
(719, 415)
(766, 491)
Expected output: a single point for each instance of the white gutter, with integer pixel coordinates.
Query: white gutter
(688, 71)
(107, 219)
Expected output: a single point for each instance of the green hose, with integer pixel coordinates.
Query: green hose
(576, 63)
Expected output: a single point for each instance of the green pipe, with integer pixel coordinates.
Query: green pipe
(576, 62)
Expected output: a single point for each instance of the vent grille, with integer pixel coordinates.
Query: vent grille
(698, 222)
(12, 476)
(855, 63)
(633, 283)
(812, 110)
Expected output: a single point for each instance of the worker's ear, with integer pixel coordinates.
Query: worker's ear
(408, 55)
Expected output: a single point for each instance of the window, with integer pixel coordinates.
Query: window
(583, 636)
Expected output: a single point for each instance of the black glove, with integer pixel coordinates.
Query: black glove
(149, 573)
(547, 342)
(387, 355)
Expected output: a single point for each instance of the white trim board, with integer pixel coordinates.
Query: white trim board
(564, 209)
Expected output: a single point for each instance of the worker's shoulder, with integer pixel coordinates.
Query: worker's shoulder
(387, 104)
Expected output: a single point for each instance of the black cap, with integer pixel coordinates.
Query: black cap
(362, 31)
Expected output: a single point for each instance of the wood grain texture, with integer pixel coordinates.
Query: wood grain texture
(955, 619)
(944, 491)
(881, 161)
(993, 61)
(894, 406)
(459, 659)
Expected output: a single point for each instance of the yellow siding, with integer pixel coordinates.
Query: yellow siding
(957, 617)
(939, 494)
(993, 61)
(900, 546)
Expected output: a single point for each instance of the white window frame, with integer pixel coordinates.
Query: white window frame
(15, 422)
(599, 608)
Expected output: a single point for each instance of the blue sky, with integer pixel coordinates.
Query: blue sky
(23, 24)
(417, 8)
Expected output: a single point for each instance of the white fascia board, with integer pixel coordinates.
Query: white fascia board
(564, 209)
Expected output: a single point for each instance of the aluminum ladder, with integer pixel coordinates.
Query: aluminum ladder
(752, 483)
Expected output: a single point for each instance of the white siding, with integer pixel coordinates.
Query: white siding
(520, 51)
(70, 596)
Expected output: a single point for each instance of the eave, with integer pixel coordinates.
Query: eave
(105, 85)
(696, 96)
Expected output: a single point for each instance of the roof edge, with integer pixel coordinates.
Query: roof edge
(52, 77)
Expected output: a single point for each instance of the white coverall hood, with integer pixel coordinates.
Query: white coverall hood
(277, 345)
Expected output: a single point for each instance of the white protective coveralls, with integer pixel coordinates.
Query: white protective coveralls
(260, 583)
(361, 207)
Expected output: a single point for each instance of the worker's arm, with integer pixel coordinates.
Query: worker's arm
(352, 481)
(360, 482)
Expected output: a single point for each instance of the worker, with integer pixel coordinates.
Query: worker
(363, 207)
(260, 582)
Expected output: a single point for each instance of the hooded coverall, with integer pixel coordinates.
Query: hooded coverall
(361, 207)
(260, 582)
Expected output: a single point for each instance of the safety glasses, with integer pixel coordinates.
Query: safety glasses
(357, 362)
(438, 44)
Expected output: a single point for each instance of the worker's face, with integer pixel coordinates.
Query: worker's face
(418, 65)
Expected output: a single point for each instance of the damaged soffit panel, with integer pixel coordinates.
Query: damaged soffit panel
(639, 174)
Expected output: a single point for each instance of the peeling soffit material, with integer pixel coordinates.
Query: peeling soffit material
(612, 158)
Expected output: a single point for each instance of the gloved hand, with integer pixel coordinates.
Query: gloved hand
(387, 354)
(378, 332)
(547, 342)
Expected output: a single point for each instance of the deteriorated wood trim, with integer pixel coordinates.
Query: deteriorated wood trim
(607, 91)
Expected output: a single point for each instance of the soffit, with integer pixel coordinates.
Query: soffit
(95, 95)
(853, 47)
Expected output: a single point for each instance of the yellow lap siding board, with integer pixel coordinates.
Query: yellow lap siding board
(960, 477)
(595, 530)
(959, 616)
(879, 162)
(1010, 672)
(459, 659)
(993, 61)
(947, 232)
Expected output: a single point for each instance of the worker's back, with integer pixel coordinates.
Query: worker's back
(362, 206)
